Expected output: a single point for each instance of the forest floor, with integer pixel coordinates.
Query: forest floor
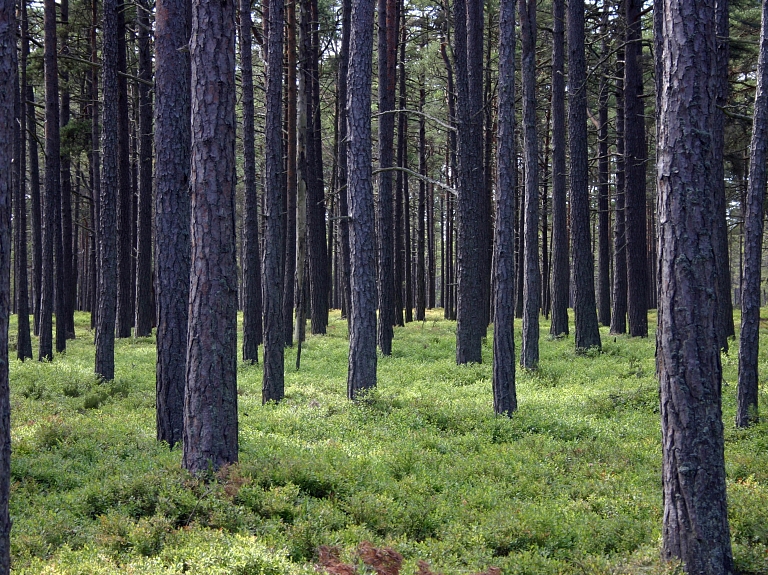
(570, 484)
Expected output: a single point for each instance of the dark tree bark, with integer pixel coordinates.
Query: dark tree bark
(291, 181)
(303, 168)
(23, 339)
(107, 253)
(172, 213)
(635, 158)
(8, 70)
(52, 184)
(95, 164)
(362, 229)
(387, 55)
(273, 383)
(420, 211)
(619, 296)
(144, 309)
(603, 225)
(402, 154)
(545, 269)
(468, 30)
(125, 293)
(65, 300)
(36, 209)
(529, 351)
(753, 226)
(560, 269)
(251, 260)
(399, 301)
(587, 332)
(448, 265)
(430, 208)
(695, 528)
(210, 411)
(726, 328)
(504, 395)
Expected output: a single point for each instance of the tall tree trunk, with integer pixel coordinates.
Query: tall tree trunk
(64, 263)
(291, 181)
(504, 395)
(172, 212)
(753, 242)
(468, 30)
(95, 166)
(107, 238)
(387, 54)
(52, 182)
(695, 528)
(450, 308)
(619, 299)
(402, 154)
(36, 209)
(529, 351)
(8, 70)
(210, 411)
(545, 254)
(273, 383)
(603, 224)
(560, 269)
(251, 262)
(144, 309)
(430, 245)
(23, 339)
(587, 332)
(399, 301)
(635, 158)
(362, 238)
(420, 211)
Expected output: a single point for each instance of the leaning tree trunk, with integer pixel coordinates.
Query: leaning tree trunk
(560, 272)
(695, 528)
(172, 263)
(753, 242)
(8, 70)
(362, 229)
(529, 351)
(504, 395)
(587, 332)
(210, 411)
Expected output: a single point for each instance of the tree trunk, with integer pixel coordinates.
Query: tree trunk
(560, 269)
(210, 411)
(619, 299)
(603, 225)
(172, 212)
(402, 154)
(387, 55)
(65, 322)
(95, 165)
(695, 528)
(430, 246)
(587, 332)
(362, 238)
(529, 351)
(273, 383)
(107, 237)
(635, 158)
(399, 176)
(23, 339)
(753, 243)
(420, 211)
(144, 309)
(37, 216)
(252, 328)
(450, 282)
(504, 395)
(289, 275)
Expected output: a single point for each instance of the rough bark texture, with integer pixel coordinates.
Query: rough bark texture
(289, 271)
(107, 254)
(387, 38)
(303, 168)
(7, 73)
(210, 411)
(635, 158)
(753, 228)
(587, 333)
(65, 299)
(362, 232)
(273, 383)
(603, 224)
(619, 296)
(251, 261)
(529, 351)
(402, 151)
(695, 527)
(420, 212)
(172, 263)
(36, 209)
(504, 395)
(144, 309)
(470, 317)
(560, 272)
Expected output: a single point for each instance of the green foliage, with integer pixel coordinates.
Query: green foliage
(569, 484)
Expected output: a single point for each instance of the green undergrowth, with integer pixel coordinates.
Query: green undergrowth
(570, 484)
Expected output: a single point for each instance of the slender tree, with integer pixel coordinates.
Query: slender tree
(603, 224)
(421, 206)
(172, 209)
(587, 333)
(529, 351)
(619, 296)
(695, 528)
(289, 274)
(362, 238)
(753, 242)
(210, 411)
(65, 288)
(560, 270)
(504, 395)
(35, 208)
(8, 70)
